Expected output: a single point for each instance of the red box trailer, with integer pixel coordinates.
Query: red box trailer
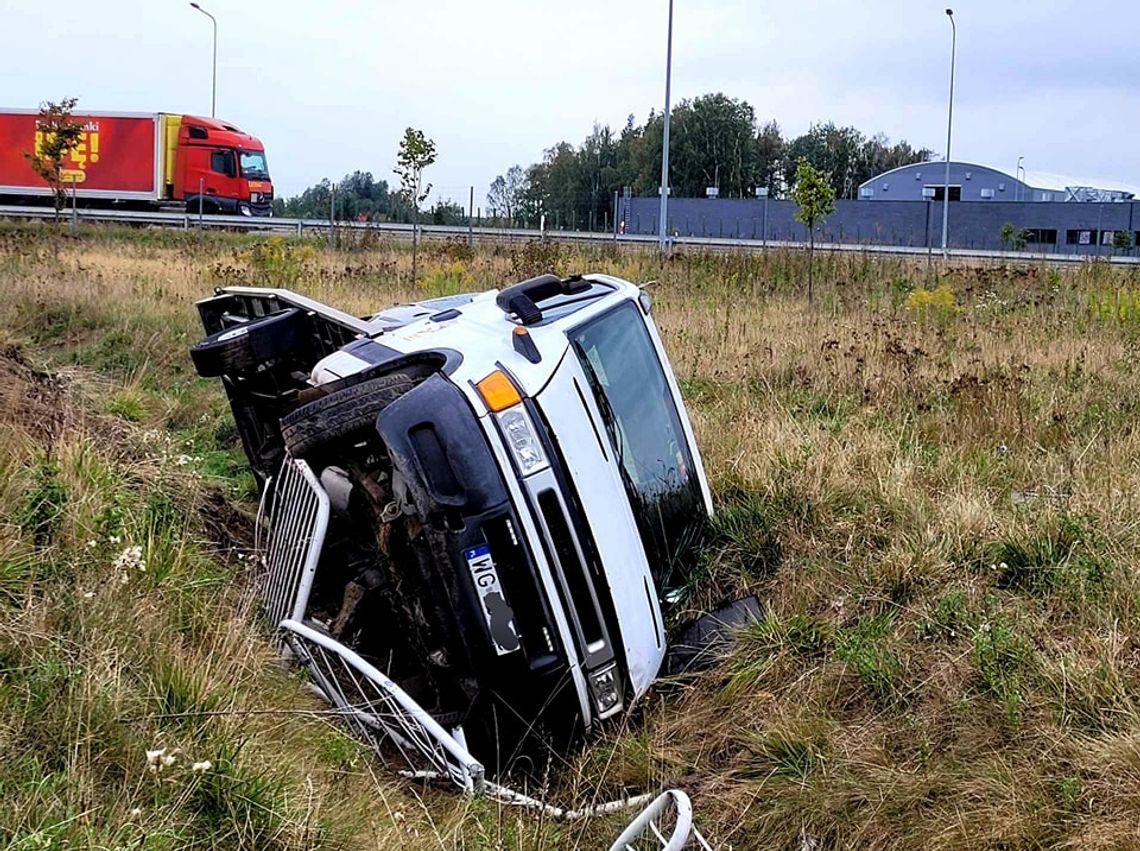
(155, 159)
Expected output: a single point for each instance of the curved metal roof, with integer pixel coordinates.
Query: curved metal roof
(1041, 180)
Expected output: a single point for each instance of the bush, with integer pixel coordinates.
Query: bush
(938, 303)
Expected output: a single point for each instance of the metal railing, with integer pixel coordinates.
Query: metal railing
(652, 825)
(300, 227)
(298, 520)
(380, 712)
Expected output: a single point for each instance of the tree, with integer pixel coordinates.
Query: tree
(1006, 234)
(770, 152)
(506, 194)
(713, 143)
(1013, 238)
(56, 137)
(416, 153)
(1122, 240)
(815, 199)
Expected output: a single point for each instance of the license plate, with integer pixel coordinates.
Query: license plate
(496, 610)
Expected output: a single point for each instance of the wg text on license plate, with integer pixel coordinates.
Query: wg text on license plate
(497, 611)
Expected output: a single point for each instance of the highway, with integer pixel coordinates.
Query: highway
(314, 227)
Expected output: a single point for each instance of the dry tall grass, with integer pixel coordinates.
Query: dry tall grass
(929, 479)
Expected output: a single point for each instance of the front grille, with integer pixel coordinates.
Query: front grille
(572, 568)
(298, 518)
(519, 584)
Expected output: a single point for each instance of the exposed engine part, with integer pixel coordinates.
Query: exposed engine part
(402, 494)
(338, 486)
(353, 594)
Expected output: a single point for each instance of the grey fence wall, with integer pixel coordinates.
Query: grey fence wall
(1071, 228)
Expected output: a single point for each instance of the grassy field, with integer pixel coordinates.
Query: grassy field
(929, 478)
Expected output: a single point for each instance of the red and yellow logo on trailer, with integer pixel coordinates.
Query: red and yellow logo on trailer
(75, 161)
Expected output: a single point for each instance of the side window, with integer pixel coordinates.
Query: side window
(222, 162)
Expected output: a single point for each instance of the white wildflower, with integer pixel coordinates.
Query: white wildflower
(136, 812)
(87, 595)
(169, 760)
(182, 460)
(130, 559)
(201, 767)
(154, 757)
(92, 545)
(1003, 566)
(115, 539)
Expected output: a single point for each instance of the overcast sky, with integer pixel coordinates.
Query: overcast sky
(330, 86)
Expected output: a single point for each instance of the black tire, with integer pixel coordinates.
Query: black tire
(343, 412)
(241, 349)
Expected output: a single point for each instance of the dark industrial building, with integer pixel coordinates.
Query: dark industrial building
(903, 207)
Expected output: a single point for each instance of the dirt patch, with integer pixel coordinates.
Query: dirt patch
(228, 527)
(30, 398)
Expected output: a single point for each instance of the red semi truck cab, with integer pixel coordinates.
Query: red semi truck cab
(220, 165)
(152, 159)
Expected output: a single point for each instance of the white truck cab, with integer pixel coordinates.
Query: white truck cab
(513, 486)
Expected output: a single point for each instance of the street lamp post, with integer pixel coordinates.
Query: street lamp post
(1017, 175)
(214, 81)
(949, 129)
(662, 240)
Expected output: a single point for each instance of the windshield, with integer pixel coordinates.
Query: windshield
(253, 165)
(644, 428)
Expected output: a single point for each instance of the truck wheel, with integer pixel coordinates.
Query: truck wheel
(343, 412)
(239, 350)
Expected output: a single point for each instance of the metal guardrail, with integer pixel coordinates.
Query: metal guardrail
(299, 227)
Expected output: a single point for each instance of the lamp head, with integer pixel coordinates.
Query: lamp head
(950, 12)
(196, 6)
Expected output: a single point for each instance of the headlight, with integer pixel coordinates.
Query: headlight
(604, 685)
(522, 440)
(244, 210)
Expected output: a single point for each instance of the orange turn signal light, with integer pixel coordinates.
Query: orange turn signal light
(498, 391)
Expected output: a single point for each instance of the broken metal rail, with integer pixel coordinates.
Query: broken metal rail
(672, 806)
(379, 711)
